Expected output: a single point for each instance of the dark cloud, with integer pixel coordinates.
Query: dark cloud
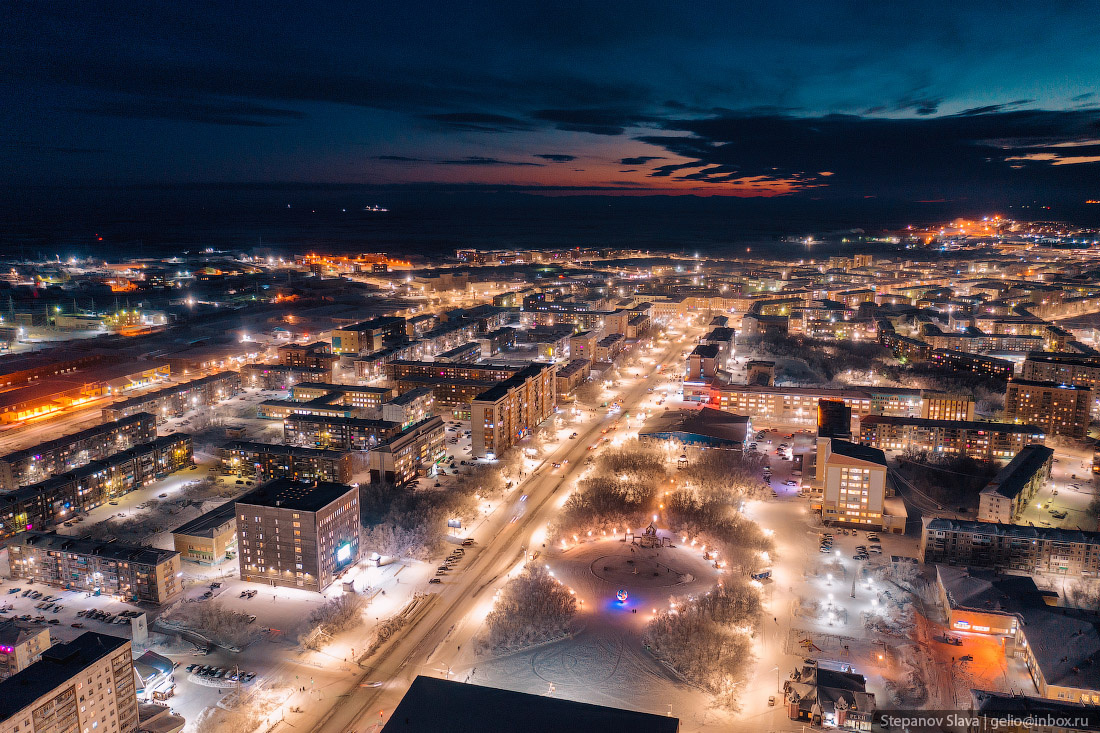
(923, 158)
(208, 112)
(400, 159)
(640, 159)
(595, 121)
(556, 157)
(481, 160)
(479, 122)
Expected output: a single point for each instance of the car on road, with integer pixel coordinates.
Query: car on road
(467, 543)
(434, 580)
(77, 625)
(791, 483)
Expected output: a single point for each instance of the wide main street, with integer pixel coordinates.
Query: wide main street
(435, 633)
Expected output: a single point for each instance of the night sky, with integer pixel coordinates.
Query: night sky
(916, 102)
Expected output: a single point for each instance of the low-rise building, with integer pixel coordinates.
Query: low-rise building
(109, 568)
(827, 697)
(297, 534)
(207, 538)
(281, 376)
(1005, 497)
(84, 685)
(1011, 547)
(266, 461)
(705, 428)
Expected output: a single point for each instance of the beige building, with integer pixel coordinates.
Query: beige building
(943, 406)
(209, 537)
(21, 645)
(85, 686)
(1005, 497)
(853, 485)
(411, 453)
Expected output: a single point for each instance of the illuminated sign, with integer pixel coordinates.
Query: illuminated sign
(962, 624)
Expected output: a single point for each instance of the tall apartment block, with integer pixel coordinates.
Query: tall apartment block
(1060, 409)
(85, 686)
(507, 412)
(297, 534)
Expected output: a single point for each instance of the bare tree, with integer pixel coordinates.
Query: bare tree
(532, 608)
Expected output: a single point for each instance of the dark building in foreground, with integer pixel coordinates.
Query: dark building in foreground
(442, 706)
(297, 534)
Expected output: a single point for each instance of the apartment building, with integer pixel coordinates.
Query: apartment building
(72, 451)
(1005, 497)
(84, 686)
(1059, 409)
(571, 375)
(56, 499)
(1075, 369)
(180, 398)
(317, 355)
(337, 433)
(799, 404)
(139, 574)
(959, 361)
(21, 645)
(266, 461)
(507, 412)
(297, 534)
(281, 376)
(409, 407)
(853, 484)
(1011, 547)
(943, 406)
(981, 440)
(411, 453)
(367, 336)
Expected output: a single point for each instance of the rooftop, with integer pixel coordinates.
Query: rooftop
(205, 524)
(51, 541)
(858, 452)
(1018, 531)
(306, 496)
(474, 709)
(709, 423)
(1012, 479)
(921, 422)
